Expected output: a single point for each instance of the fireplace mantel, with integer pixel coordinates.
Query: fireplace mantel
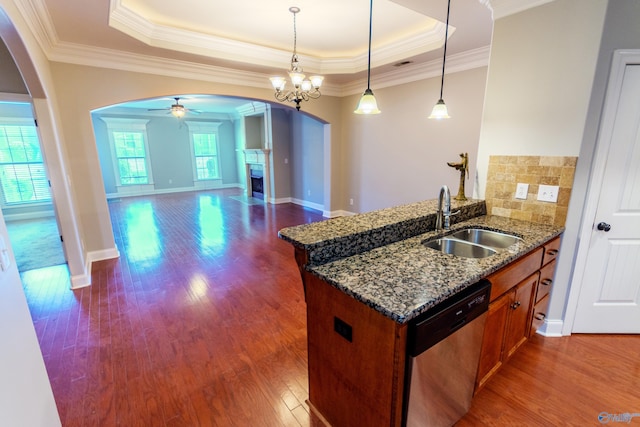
(258, 156)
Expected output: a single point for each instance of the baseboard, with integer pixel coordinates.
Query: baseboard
(29, 215)
(551, 328)
(83, 280)
(80, 281)
(171, 190)
(335, 214)
(307, 204)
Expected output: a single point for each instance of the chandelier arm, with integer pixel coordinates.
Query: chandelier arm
(280, 96)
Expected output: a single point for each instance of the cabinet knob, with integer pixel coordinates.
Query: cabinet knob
(546, 282)
(552, 252)
(516, 305)
(540, 316)
(603, 226)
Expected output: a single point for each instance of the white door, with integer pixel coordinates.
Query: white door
(609, 300)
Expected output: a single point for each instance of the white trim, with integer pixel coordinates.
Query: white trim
(83, 280)
(28, 215)
(80, 280)
(141, 28)
(621, 59)
(502, 8)
(207, 128)
(551, 328)
(124, 124)
(335, 214)
(41, 25)
(111, 196)
(307, 204)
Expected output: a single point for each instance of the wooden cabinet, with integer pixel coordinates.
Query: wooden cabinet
(506, 328)
(356, 359)
(519, 301)
(518, 319)
(547, 272)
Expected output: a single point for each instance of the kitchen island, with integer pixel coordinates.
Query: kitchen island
(366, 278)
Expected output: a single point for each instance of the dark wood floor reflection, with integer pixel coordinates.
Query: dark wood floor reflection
(201, 322)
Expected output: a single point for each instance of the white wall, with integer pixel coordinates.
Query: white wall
(539, 83)
(400, 156)
(26, 398)
(539, 88)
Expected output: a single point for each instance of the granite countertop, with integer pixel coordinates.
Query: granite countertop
(342, 237)
(404, 279)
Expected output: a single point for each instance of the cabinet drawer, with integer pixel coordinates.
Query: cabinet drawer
(551, 250)
(539, 314)
(514, 273)
(546, 280)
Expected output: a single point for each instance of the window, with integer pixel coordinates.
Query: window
(131, 157)
(206, 155)
(204, 143)
(22, 171)
(130, 151)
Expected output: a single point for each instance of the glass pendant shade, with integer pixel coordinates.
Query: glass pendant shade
(439, 111)
(296, 78)
(316, 81)
(278, 83)
(367, 104)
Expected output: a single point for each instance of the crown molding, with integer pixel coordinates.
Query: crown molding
(137, 26)
(455, 63)
(39, 21)
(503, 8)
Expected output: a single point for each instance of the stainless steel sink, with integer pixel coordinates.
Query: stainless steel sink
(459, 248)
(489, 238)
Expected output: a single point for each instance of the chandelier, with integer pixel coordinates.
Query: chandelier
(303, 89)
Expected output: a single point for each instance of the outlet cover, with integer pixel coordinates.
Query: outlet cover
(522, 190)
(548, 193)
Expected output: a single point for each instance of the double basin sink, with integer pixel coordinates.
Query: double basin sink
(472, 243)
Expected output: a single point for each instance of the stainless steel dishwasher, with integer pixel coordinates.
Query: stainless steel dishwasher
(443, 355)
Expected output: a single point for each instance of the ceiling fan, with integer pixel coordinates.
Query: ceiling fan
(177, 110)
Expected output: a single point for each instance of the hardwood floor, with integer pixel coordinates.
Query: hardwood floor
(201, 322)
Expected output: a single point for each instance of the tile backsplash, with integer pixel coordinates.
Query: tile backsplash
(505, 172)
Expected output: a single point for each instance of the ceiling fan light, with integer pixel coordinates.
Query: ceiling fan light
(177, 111)
(439, 111)
(367, 104)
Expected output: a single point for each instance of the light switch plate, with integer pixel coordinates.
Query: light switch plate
(522, 190)
(548, 193)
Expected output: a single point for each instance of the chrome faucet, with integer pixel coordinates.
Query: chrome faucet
(443, 217)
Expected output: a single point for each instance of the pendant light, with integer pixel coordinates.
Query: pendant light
(440, 109)
(368, 104)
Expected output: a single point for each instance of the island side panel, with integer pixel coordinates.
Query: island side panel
(357, 382)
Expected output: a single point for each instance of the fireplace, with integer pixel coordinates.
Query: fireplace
(256, 174)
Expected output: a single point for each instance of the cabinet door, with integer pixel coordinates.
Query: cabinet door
(519, 322)
(494, 328)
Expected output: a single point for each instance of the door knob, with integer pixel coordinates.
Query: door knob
(603, 226)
